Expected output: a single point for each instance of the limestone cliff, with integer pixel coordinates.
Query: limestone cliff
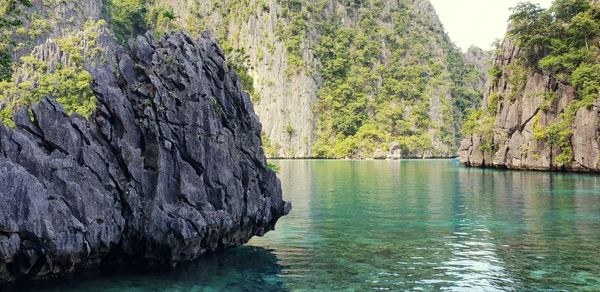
(414, 90)
(523, 104)
(482, 61)
(167, 167)
(542, 106)
(46, 19)
(323, 75)
(284, 97)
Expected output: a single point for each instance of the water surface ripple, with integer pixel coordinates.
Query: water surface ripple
(405, 225)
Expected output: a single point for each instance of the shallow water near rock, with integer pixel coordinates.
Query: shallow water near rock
(403, 225)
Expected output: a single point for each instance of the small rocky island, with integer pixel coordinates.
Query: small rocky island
(168, 167)
(530, 119)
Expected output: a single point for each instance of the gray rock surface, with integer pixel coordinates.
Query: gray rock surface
(168, 168)
(514, 143)
(380, 154)
(289, 94)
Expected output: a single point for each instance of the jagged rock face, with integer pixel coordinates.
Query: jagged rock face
(54, 19)
(482, 60)
(168, 168)
(514, 143)
(286, 96)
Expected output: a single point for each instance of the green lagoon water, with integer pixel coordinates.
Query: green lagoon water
(404, 225)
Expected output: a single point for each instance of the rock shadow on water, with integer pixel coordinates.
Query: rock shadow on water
(247, 268)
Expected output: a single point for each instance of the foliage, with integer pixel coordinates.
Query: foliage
(492, 102)
(562, 41)
(238, 60)
(10, 17)
(517, 79)
(539, 132)
(274, 166)
(270, 148)
(289, 129)
(127, 18)
(69, 83)
(10, 12)
(558, 39)
(495, 73)
(481, 123)
(380, 75)
(586, 79)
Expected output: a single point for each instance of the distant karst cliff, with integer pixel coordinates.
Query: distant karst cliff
(542, 105)
(332, 78)
(328, 78)
(167, 165)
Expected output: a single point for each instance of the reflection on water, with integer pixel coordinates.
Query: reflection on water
(432, 225)
(406, 225)
(242, 269)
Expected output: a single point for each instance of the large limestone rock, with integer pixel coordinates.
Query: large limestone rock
(286, 95)
(515, 145)
(168, 168)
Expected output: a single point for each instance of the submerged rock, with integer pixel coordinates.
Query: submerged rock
(168, 168)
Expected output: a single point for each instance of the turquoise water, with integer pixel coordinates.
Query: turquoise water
(404, 225)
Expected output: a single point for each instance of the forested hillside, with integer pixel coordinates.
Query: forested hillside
(330, 78)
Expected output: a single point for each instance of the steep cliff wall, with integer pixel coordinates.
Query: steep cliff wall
(46, 19)
(536, 103)
(327, 78)
(168, 165)
(542, 114)
(338, 79)
(283, 96)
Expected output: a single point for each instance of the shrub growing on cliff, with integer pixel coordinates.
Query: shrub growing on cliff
(238, 60)
(382, 72)
(10, 12)
(270, 148)
(481, 123)
(556, 39)
(69, 83)
(587, 80)
(495, 73)
(127, 18)
(562, 41)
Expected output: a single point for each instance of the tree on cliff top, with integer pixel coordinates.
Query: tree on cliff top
(558, 39)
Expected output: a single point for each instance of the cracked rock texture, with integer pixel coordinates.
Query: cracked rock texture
(168, 168)
(514, 144)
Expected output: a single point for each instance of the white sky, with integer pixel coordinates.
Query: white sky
(477, 22)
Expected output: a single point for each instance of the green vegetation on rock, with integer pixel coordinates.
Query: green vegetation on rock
(274, 166)
(379, 81)
(271, 149)
(127, 18)
(68, 82)
(11, 12)
(563, 42)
